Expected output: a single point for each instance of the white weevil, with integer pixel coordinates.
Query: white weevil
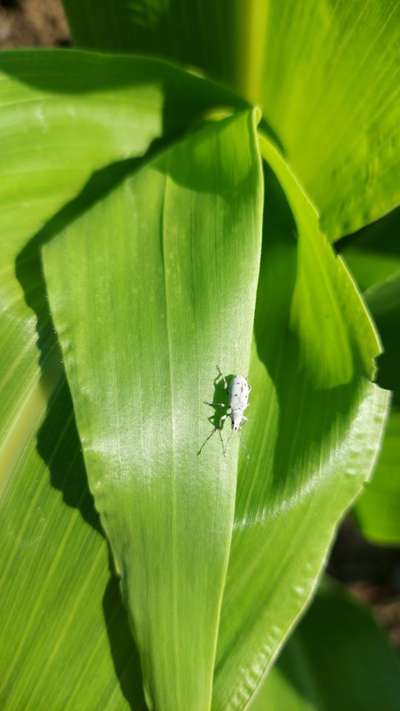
(238, 391)
(238, 398)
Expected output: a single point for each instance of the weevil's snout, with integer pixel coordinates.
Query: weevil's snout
(236, 424)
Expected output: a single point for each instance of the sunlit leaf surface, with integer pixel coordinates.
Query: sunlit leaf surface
(172, 252)
(327, 75)
(65, 639)
(312, 437)
(286, 494)
(149, 290)
(63, 115)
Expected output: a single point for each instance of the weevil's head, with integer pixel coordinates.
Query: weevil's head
(236, 421)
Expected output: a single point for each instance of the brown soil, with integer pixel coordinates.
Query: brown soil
(32, 23)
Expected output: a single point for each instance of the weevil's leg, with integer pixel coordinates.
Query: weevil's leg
(213, 421)
(221, 375)
(215, 429)
(244, 418)
(222, 419)
(222, 442)
(206, 440)
(227, 412)
(215, 404)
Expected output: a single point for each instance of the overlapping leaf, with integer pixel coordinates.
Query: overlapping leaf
(327, 76)
(65, 639)
(338, 658)
(63, 116)
(297, 368)
(290, 497)
(311, 441)
(149, 290)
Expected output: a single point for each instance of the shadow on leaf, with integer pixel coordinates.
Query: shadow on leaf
(57, 440)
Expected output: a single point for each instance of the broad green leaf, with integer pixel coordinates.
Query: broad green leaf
(65, 639)
(329, 86)
(313, 434)
(327, 76)
(333, 456)
(63, 115)
(149, 290)
(338, 658)
(36, 645)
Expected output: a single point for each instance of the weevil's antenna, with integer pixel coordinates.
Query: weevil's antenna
(216, 429)
(206, 440)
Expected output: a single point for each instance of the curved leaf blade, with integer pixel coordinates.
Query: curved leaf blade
(326, 76)
(55, 108)
(63, 116)
(330, 90)
(314, 430)
(33, 322)
(55, 587)
(338, 658)
(66, 114)
(168, 268)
